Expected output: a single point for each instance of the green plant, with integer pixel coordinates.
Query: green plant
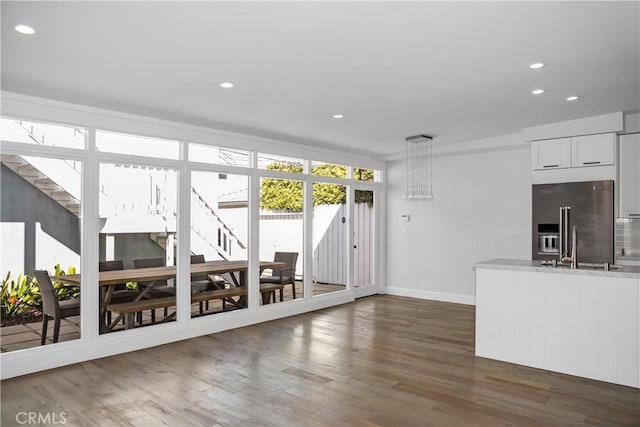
(363, 174)
(62, 290)
(284, 194)
(18, 297)
(21, 296)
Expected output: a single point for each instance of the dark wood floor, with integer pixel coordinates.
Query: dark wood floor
(381, 361)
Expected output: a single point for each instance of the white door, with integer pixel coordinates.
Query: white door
(363, 237)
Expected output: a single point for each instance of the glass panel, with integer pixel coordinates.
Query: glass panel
(217, 155)
(363, 242)
(330, 269)
(628, 239)
(219, 241)
(280, 163)
(41, 133)
(138, 218)
(281, 239)
(40, 230)
(363, 174)
(137, 145)
(328, 169)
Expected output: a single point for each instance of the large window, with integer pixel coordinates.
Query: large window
(137, 145)
(281, 239)
(138, 234)
(219, 242)
(40, 245)
(217, 155)
(280, 163)
(142, 209)
(330, 238)
(45, 134)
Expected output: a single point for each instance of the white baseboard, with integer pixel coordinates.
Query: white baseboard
(437, 296)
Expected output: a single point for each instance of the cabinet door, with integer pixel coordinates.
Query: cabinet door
(551, 154)
(593, 150)
(629, 175)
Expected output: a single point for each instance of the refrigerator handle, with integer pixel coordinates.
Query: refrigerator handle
(567, 229)
(561, 235)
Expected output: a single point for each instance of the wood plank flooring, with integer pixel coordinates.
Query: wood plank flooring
(381, 361)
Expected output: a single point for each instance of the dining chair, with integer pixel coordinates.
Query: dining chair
(285, 275)
(205, 282)
(52, 307)
(120, 293)
(199, 282)
(211, 281)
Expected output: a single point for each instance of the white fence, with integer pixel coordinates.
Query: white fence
(283, 232)
(330, 244)
(330, 256)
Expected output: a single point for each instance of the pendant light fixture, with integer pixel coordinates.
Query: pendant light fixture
(419, 168)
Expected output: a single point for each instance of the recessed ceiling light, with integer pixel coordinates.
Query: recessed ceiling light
(227, 85)
(338, 116)
(572, 98)
(25, 29)
(538, 91)
(536, 65)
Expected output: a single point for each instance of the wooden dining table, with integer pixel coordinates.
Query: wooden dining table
(151, 275)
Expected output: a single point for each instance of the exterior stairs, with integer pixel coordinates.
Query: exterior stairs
(42, 182)
(208, 228)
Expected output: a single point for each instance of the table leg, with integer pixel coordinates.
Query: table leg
(105, 298)
(119, 317)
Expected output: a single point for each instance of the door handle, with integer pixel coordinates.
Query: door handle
(561, 234)
(550, 166)
(590, 163)
(567, 229)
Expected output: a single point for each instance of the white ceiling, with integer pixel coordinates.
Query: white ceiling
(458, 71)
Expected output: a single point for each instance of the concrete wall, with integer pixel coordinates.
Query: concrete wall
(130, 246)
(37, 231)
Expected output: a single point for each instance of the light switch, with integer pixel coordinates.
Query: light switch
(405, 218)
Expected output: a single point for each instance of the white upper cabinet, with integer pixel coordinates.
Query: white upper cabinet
(629, 176)
(574, 152)
(551, 154)
(593, 150)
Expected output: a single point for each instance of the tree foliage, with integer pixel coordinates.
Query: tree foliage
(287, 195)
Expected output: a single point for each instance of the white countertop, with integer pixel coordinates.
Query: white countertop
(626, 271)
(632, 259)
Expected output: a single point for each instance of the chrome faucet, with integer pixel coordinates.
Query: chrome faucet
(573, 259)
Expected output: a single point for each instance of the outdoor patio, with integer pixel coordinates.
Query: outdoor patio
(18, 337)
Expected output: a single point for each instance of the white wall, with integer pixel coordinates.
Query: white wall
(482, 210)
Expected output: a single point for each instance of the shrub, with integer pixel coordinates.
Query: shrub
(287, 195)
(64, 291)
(21, 296)
(18, 297)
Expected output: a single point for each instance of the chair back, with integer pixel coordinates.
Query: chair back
(50, 303)
(111, 266)
(290, 258)
(151, 262)
(198, 259)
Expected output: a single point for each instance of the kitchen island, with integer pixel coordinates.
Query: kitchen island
(582, 322)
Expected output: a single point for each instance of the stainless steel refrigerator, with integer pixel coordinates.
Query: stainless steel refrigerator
(558, 207)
